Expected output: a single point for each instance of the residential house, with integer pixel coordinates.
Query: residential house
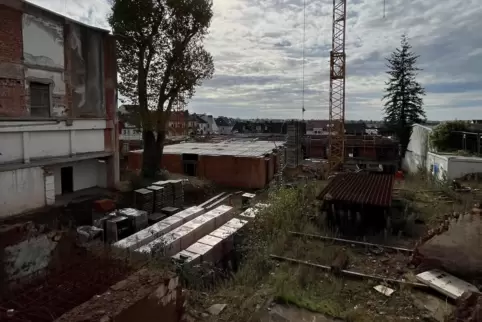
(178, 123)
(357, 128)
(58, 124)
(192, 124)
(224, 125)
(212, 127)
(130, 136)
(202, 126)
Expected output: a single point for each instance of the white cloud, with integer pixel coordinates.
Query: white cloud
(257, 50)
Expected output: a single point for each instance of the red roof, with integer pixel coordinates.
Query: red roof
(366, 188)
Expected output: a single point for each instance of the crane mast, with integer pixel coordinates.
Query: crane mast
(337, 87)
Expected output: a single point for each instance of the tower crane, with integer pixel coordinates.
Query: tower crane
(337, 87)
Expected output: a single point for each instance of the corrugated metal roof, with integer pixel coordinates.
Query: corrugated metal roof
(361, 188)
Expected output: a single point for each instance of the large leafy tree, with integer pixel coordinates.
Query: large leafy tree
(404, 95)
(161, 60)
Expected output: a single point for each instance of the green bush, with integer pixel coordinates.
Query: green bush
(442, 137)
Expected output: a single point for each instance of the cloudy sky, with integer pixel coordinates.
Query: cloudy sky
(257, 49)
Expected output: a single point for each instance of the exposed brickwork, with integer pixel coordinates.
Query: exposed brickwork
(10, 35)
(12, 97)
(12, 86)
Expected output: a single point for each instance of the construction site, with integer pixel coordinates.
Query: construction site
(284, 226)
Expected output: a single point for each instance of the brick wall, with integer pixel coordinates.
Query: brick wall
(12, 86)
(147, 296)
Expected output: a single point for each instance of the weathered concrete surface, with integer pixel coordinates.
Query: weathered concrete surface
(456, 250)
(147, 296)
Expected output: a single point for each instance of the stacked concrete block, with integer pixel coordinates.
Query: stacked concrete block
(187, 234)
(158, 193)
(160, 228)
(138, 217)
(144, 200)
(177, 193)
(213, 247)
(168, 197)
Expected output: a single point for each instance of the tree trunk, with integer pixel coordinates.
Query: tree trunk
(151, 156)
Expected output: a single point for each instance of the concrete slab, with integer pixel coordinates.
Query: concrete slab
(457, 250)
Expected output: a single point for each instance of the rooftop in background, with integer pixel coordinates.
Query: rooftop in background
(374, 189)
(236, 148)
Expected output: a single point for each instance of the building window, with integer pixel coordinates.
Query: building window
(39, 99)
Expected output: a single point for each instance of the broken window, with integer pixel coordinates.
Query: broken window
(39, 99)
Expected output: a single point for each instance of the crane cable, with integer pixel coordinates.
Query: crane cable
(303, 62)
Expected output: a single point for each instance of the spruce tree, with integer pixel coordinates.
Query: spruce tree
(403, 100)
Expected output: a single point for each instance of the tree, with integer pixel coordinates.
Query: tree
(404, 103)
(161, 60)
(443, 137)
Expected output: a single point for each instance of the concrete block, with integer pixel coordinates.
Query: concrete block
(216, 244)
(160, 228)
(203, 250)
(166, 245)
(188, 258)
(236, 223)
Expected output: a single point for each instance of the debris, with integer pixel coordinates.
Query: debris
(376, 250)
(384, 290)
(445, 283)
(349, 273)
(216, 309)
(352, 242)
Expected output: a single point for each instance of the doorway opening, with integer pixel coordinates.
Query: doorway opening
(189, 161)
(67, 179)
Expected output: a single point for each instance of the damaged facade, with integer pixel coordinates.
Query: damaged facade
(57, 107)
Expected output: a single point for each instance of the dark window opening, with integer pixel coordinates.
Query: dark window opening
(39, 99)
(67, 179)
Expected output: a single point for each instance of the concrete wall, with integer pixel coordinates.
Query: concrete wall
(23, 141)
(461, 166)
(21, 190)
(417, 149)
(87, 174)
(437, 165)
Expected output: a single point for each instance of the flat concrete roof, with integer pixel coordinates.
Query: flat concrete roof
(234, 148)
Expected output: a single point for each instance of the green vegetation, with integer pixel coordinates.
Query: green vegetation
(161, 60)
(403, 100)
(443, 137)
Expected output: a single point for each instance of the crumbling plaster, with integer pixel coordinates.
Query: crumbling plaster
(43, 42)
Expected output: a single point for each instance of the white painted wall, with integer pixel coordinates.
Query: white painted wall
(24, 141)
(86, 173)
(43, 42)
(21, 190)
(225, 129)
(417, 149)
(461, 166)
(442, 162)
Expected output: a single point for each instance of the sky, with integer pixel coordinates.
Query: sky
(257, 46)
